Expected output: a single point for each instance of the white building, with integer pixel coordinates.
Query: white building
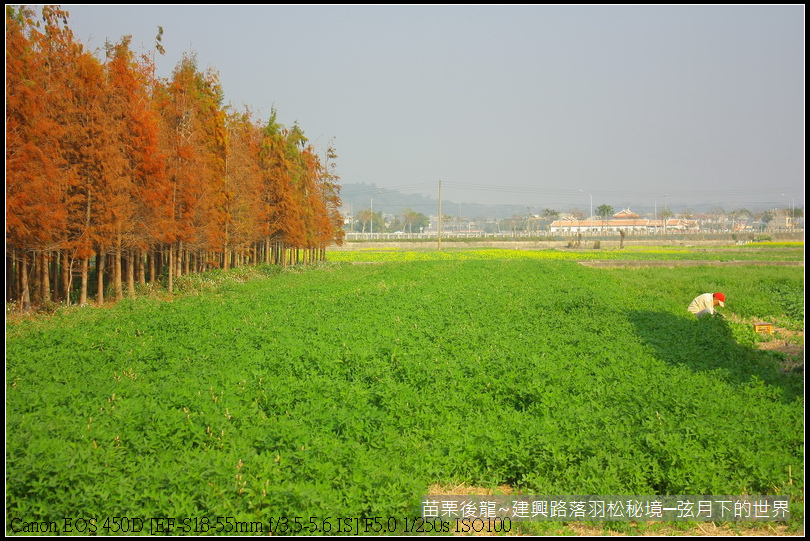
(625, 220)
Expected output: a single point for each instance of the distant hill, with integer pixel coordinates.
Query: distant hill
(357, 197)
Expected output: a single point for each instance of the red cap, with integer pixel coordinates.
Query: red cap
(720, 297)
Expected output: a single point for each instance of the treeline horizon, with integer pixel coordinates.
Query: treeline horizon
(113, 171)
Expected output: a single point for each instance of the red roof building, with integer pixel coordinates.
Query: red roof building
(624, 220)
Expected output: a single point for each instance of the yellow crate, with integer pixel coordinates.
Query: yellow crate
(763, 328)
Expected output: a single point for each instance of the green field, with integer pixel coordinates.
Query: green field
(759, 252)
(348, 390)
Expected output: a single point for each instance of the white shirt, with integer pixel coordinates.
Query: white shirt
(702, 304)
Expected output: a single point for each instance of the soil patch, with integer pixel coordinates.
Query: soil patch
(785, 341)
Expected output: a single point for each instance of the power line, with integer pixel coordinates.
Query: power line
(767, 190)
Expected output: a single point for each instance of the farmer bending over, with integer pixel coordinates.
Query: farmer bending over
(704, 304)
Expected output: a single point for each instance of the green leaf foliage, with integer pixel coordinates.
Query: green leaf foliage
(348, 390)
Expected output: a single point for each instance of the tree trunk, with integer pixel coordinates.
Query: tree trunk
(25, 295)
(45, 281)
(100, 277)
(141, 255)
(171, 267)
(152, 255)
(178, 257)
(36, 277)
(11, 270)
(118, 286)
(159, 256)
(85, 273)
(67, 276)
(55, 276)
(131, 274)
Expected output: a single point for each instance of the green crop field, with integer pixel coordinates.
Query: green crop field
(350, 390)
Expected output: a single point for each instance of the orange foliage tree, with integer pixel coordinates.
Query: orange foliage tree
(138, 187)
(193, 143)
(36, 184)
(239, 199)
(104, 159)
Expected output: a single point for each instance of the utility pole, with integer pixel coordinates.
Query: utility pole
(792, 212)
(440, 214)
(590, 198)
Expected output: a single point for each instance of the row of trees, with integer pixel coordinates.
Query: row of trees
(409, 221)
(716, 219)
(110, 167)
(715, 215)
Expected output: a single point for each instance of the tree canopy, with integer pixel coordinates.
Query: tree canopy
(103, 158)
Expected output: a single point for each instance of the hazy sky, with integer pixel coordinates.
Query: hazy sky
(547, 106)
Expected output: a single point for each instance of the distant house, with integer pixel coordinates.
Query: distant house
(624, 220)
